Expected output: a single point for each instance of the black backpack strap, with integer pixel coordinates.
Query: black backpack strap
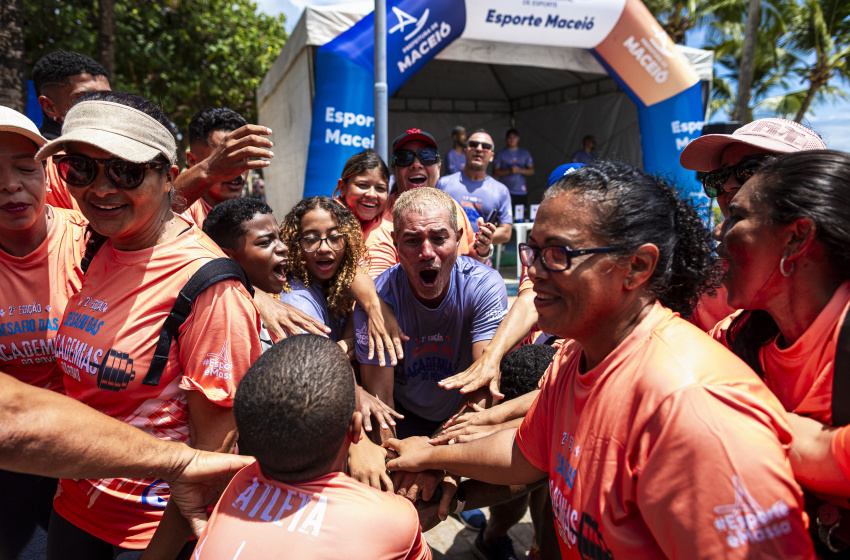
(93, 245)
(841, 377)
(211, 273)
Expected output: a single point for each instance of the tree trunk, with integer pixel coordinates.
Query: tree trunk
(747, 66)
(814, 86)
(106, 36)
(13, 81)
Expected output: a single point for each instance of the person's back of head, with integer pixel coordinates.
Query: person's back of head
(523, 368)
(206, 121)
(225, 223)
(296, 406)
(58, 67)
(59, 78)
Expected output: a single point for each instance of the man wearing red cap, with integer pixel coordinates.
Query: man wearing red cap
(416, 163)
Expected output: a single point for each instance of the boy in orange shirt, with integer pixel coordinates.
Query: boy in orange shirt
(296, 409)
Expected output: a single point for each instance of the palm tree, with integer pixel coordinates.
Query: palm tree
(822, 28)
(677, 17)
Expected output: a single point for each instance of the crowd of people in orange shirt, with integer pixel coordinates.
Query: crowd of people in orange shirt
(672, 392)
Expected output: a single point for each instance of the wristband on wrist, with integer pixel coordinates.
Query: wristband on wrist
(487, 256)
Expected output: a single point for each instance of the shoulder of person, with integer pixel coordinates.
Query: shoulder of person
(477, 272)
(498, 184)
(71, 217)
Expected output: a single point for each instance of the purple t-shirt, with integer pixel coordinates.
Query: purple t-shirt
(314, 303)
(441, 339)
(479, 198)
(454, 162)
(583, 157)
(505, 159)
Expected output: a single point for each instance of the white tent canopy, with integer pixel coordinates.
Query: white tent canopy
(554, 96)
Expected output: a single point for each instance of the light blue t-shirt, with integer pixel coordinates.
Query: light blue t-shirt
(479, 198)
(455, 162)
(314, 303)
(441, 339)
(505, 159)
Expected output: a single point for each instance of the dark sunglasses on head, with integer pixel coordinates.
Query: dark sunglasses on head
(427, 156)
(475, 143)
(712, 182)
(79, 171)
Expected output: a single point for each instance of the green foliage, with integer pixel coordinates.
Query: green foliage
(182, 54)
(821, 28)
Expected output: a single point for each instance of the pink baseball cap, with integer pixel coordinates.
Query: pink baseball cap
(772, 135)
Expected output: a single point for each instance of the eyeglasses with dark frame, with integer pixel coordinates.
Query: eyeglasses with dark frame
(426, 156)
(312, 243)
(80, 170)
(555, 258)
(475, 143)
(712, 182)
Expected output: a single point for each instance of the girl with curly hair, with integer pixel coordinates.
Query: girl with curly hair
(325, 247)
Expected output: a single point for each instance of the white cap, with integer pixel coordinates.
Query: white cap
(13, 121)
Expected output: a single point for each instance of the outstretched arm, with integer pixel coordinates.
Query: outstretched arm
(384, 330)
(231, 158)
(485, 370)
(495, 459)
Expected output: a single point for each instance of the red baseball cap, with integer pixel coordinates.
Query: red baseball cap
(773, 135)
(414, 134)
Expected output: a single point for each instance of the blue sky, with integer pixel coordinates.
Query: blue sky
(831, 121)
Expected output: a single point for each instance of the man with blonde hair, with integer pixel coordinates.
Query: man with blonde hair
(449, 306)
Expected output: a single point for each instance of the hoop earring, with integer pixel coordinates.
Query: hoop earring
(782, 268)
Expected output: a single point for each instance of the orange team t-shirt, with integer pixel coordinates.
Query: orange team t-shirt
(35, 292)
(198, 212)
(379, 241)
(329, 517)
(105, 344)
(693, 464)
(801, 375)
(59, 196)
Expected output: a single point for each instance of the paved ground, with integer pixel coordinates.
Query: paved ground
(452, 541)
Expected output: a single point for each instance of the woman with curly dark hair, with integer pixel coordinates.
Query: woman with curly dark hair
(325, 247)
(658, 442)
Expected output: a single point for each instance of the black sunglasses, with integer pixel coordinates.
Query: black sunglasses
(555, 258)
(475, 143)
(427, 156)
(712, 182)
(79, 171)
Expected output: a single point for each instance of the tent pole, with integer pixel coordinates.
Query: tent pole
(381, 111)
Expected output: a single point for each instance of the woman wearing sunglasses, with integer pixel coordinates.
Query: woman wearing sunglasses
(727, 161)
(119, 166)
(40, 252)
(325, 248)
(786, 245)
(658, 443)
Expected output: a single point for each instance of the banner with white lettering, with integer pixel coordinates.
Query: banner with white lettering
(622, 34)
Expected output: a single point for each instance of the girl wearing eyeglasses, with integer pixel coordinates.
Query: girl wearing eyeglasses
(119, 166)
(326, 247)
(40, 252)
(658, 443)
